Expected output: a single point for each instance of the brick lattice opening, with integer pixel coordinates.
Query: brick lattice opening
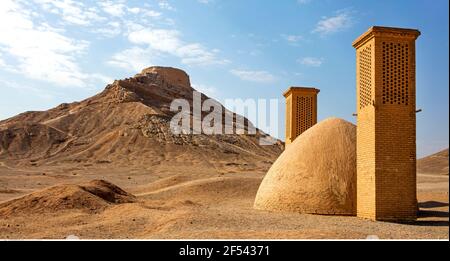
(304, 116)
(365, 79)
(395, 73)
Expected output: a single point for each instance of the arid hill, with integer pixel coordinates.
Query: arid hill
(127, 123)
(434, 164)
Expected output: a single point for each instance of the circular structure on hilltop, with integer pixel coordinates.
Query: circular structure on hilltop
(316, 174)
(172, 75)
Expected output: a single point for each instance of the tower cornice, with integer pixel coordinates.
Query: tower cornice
(292, 89)
(381, 31)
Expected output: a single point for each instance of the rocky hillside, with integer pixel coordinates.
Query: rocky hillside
(434, 164)
(127, 123)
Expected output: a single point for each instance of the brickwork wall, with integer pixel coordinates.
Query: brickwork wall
(395, 131)
(365, 148)
(386, 132)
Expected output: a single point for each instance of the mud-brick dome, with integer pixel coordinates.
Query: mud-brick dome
(316, 174)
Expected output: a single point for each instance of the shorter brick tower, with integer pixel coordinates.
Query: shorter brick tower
(301, 111)
(386, 132)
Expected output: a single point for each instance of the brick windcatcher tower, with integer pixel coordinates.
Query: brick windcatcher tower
(301, 111)
(386, 124)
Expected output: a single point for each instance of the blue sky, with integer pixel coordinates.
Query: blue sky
(54, 51)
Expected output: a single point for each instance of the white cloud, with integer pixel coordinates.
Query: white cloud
(205, 89)
(134, 10)
(134, 59)
(119, 10)
(254, 76)
(196, 54)
(111, 29)
(302, 2)
(26, 89)
(152, 13)
(39, 51)
(204, 1)
(169, 41)
(328, 25)
(164, 4)
(169, 21)
(114, 8)
(101, 78)
(131, 26)
(143, 11)
(2, 63)
(106, 18)
(291, 38)
(72, 12)
(311, 61)
(158, 39)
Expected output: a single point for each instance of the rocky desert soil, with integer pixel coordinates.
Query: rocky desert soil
(108, 168)
(190, 204)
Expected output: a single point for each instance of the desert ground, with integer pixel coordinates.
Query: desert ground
(108, 167)
(190, 204)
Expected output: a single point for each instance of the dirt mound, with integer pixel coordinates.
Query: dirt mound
(127, 123)
(315, 174)
(434, 164)
(92, 196)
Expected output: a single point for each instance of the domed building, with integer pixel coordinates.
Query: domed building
(316, 174)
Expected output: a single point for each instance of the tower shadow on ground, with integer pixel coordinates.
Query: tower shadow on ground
(432, 204)
(424, 212)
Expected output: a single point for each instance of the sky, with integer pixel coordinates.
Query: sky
(55, 51)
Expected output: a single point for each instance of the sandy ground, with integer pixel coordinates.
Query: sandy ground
(186, 186)
(189, 203)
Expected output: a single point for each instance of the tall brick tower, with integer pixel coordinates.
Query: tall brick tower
(301, 111)
(386, 132)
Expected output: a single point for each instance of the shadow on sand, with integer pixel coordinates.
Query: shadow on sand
(427, 223)
(432, 214)
(430, 223)
(432, 204)
(425, 213)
